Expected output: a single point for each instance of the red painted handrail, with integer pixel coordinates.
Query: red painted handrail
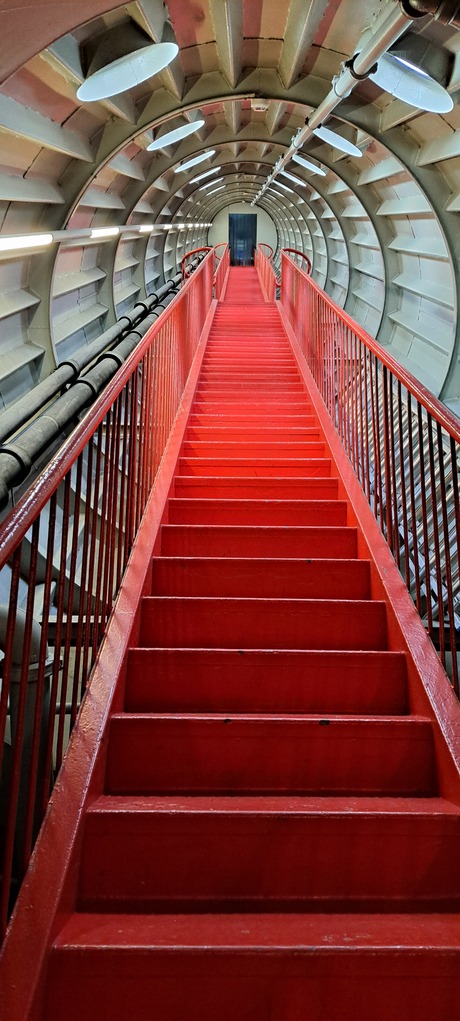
(403, 443)
(296, 251)
(266, 272)
(63, 551)
(189, 255)
(263, 244)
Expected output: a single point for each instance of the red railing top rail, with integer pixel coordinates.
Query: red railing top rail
(263, 244)
(21, 518)
(188, 255)
(296, 251)
(435, 408)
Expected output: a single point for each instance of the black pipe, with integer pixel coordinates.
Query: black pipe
(446, 11)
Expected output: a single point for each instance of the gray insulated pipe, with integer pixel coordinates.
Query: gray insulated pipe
(16, 459)
(447, 12)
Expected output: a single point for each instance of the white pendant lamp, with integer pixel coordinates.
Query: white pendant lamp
(175, 136)
(195, 159)
(337, 141)
(308, 166)
(410, 83)
(127, 71)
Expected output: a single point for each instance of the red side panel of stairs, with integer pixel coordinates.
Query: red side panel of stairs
(271, 844)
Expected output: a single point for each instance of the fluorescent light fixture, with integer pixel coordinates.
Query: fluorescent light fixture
(104, 232)
(337, 141)
(210, 183)
(408, 82)
(201, 177)
(220, 188)
(174, 136)
(20, 241)
(291, 177)
(145, 228)
(127, 72)
(195, 159)
(308, 166)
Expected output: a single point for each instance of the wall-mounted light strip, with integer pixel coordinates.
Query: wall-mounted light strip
(24, 242)
(19, 242)
(104, 232)
(220, 188)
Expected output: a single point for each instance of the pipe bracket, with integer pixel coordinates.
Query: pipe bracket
(349, 64)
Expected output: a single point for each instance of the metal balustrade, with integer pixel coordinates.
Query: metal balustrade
(403, 445)
(63, 552)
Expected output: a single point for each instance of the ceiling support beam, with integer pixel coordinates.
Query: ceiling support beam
(227, 18)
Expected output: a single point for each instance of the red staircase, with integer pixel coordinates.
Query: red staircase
(272, 844)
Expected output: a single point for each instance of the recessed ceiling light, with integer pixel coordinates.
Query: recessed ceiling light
(174, 136)
(410, 83)
(195, 159)
(127, 72)
(337, 141)
(220, 188)
(308, 166)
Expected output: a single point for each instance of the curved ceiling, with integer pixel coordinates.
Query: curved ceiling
(381, 228)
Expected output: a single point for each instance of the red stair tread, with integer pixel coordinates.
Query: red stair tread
(322, 933)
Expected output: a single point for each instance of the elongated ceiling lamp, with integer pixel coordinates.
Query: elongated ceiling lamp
(337, 141)
(201, 177)
(162, 141)
(410, 83)
(308, 166)
(127, 71)
(195, 159)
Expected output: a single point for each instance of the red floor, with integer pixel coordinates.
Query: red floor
(271, 845)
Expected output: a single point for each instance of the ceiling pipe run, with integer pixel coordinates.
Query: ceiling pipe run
(353, 71)
(447, 12)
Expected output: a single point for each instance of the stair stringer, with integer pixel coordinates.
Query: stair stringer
(429, 689)
(48, 893)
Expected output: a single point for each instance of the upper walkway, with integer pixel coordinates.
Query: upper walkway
(259, 812)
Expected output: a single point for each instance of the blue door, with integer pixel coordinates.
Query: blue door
(242, 237)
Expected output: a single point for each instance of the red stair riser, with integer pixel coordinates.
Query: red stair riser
(270, 623)
(203, 852)
(291, 579)
(257, 512)
(202, 448)
(210, 974)
(253, 467)
(224, 754)
(228, 681)
(250, 541)
(264, 489)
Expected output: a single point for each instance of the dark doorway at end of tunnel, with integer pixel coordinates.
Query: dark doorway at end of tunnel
(242, 238)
